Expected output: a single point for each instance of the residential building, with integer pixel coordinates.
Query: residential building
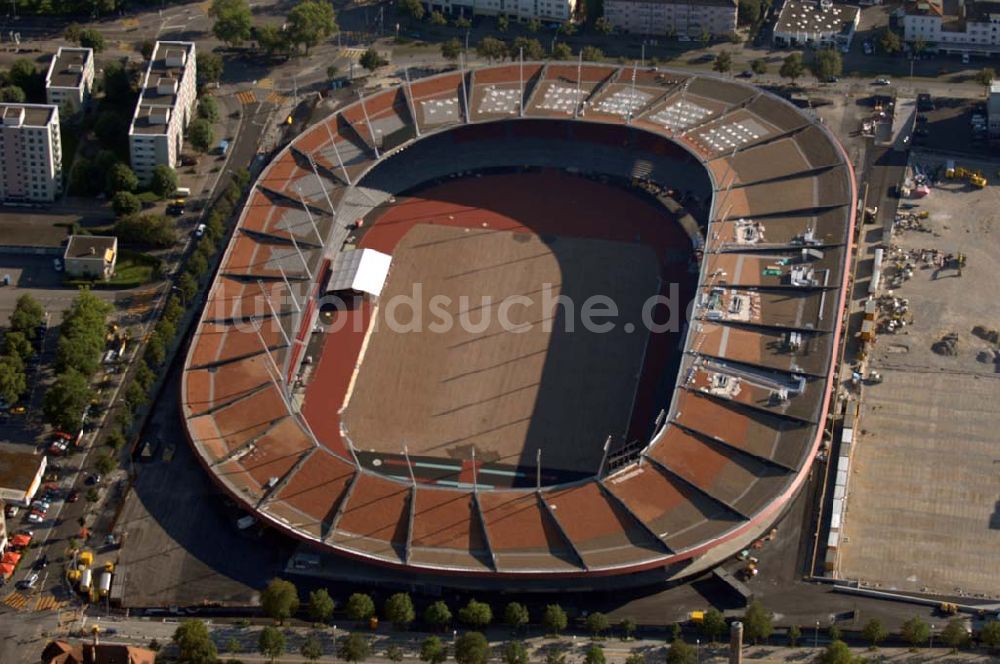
(91, 256)
(30, 153)
(555, 11)
(70, 79)
(20, 476)
(816, 24)
(993, 110)
(954, 26)
(684, 18)
(63, 652)
(167, 99)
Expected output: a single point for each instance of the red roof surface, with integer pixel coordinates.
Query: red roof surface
(729, 455)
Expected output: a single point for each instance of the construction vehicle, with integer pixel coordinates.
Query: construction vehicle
(948, 608)
(973, 177)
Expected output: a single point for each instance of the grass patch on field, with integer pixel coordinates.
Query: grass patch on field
(132, 269)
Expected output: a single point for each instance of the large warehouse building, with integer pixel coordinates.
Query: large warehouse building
(526, 449)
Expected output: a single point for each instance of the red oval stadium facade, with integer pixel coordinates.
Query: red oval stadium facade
(541, 455)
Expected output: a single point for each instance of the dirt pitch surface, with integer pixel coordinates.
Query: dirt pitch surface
(501, 366)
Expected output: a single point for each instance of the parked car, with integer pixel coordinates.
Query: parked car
(29, 582)
(93, 480)
(199, 230)
(41, 563)
(746, 73)
(73, 496)
(35, 517)
(12, 511)
(882, 81)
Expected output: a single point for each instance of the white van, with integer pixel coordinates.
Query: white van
(182, 192)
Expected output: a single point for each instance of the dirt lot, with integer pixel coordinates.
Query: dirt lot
(507, 391)
(924, 493)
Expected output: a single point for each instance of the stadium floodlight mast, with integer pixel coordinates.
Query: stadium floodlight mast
(538, 469)
(604, 457)
(475, 483)
(336, 151)
(465, 92)
(274, 313)
(371, 132)
(291, 293)
(322, 187)
(579, 78)
(278, 378)
(305, 264)
(520, 76)
(411, 101)
(631, 100)
(305, 206)
(409, 466)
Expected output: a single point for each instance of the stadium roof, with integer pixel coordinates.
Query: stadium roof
(744, 420)
(361, 270)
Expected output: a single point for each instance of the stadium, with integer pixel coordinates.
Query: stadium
(708, 221)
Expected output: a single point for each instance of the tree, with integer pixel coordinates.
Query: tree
(836, 652)
(827, 64)
(636, 658)
(555, 655)
(146, 48)
(915, 631)
(759, 66)
(792, 67)
(312, 648)
(22, 74)
(105, 463)
(200, 135)
(749, 12)
(394, 654)
(144, 376)
(120, 178)
(163, 181)
(209, 68)
(681, 653)
(412, 9)
(591, 54)
(271, 643)
(188, 287)
(561, 51)
(310, 22)
(271, 40)
(476, 614)
(91, 38)
(675, 631)
(704, 38)
(875, 632)
(568, 28)
(398, 609)
(515, 615)
(116, 439)
(27, 316)
(437, 18)
(321, 606)
(491, 48)
(146, 230)
(437, 615)
(360, 607)
(713, 625)
(92, 495)
(135, 396)
(503, 23)
(514, 652)
(594, 655)
(372, 60)
(534, 25)
(12, 94)
(432, 650)
(66, 400)
(280, 599)
(13, 382)
(233, 22)
(628, 627)
(451, 50)
(723, 62)
(463, 23)
(598, 623)
(472, 648)
(554, 619)
(890, 42)
(757, 622)
(985, 76)
(794, 634)
(834, 633)
(156, 351)
(353, 648)
(194, 645)
(532, 48)
(603, 25)
(954, 634)
(125, 203)
(16, 343)
(989, 635)
(117, 84)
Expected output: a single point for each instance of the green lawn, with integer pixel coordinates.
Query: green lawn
(133, 269)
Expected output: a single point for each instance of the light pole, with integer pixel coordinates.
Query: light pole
(931, 646)
(643, 57)
(816, 636)
(698, 647)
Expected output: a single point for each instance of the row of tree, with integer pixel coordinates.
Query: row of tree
(19, 345)
(78, 355)
(307, 24)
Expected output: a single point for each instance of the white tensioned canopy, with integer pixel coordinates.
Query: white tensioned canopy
(360, 270)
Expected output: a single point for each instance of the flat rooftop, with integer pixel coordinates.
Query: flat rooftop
(18, 469)
(31, 115)
(66, 70)
(88, 246)
(809, 17)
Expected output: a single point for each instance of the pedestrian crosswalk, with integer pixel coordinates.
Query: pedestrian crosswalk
(266, 84)
(246, 97)
(352, 53)
(48, 602)
(276, 98)
(16, 600)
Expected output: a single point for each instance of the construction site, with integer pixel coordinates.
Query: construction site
(918, 502)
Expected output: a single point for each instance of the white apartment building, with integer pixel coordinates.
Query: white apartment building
(555, 11)
(30, 153)
(70, 79)
(816, 24)
(167, 98)
(954, 26)
(684, 18)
